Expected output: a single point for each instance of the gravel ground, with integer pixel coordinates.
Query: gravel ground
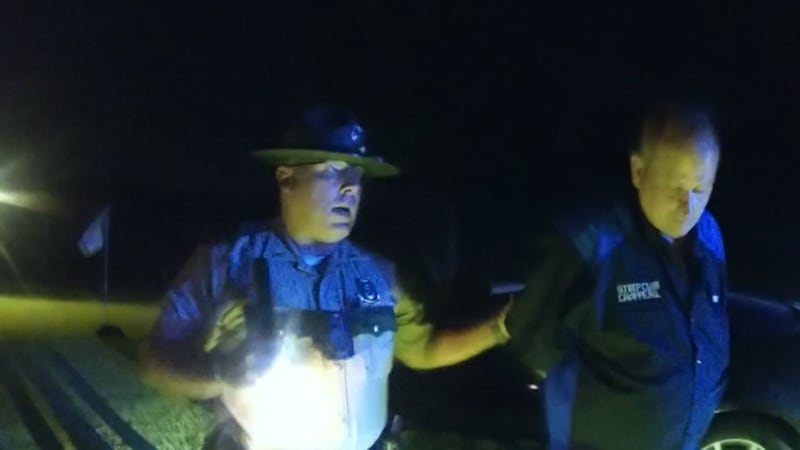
(166, 423)
(12, 434)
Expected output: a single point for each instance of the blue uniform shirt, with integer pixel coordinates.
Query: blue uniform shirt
(350, 396)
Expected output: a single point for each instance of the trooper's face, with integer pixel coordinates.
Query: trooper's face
(674, 183)
(319, 202)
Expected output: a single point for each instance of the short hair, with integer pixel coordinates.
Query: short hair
(676, 123)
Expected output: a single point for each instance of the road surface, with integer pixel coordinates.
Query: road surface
(82, 393)
(79, 393)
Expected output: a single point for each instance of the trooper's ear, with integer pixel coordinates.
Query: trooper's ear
(637, 166)
(284, 176)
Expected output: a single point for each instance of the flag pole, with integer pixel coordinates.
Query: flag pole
(106, 254)
(107, 180)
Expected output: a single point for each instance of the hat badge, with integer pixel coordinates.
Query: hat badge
(355, 134)
(356, 137)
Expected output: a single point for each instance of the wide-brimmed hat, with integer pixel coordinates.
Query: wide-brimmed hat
(327, 133)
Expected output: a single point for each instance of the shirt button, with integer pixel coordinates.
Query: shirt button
(699, 362)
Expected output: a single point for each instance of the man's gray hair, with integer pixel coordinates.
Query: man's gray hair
(676, 123)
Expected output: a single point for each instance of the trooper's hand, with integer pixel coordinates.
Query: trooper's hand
(259, 355)
(235, 371)
(243, 365)
(228, 329)
(236, 348)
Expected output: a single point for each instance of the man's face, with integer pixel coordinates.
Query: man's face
(320, 201)
(675, 183)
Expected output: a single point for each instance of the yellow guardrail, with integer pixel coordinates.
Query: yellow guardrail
(32, 317)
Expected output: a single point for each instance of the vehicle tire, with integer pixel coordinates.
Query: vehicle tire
(740, 431)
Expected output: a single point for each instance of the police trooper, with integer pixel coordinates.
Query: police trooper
(292, 325)
(625, 310)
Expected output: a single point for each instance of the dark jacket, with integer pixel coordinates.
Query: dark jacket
(632, 331)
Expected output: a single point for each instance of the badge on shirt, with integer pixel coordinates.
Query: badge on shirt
(367, 292)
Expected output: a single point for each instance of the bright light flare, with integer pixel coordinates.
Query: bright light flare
(34, 201)
(298, 403)
(8, 198)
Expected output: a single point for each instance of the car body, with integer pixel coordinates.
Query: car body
(761, 407)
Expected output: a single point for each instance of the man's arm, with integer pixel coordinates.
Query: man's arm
(540, 317)
(419, 345)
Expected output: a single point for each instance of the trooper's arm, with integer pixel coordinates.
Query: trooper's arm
(159, 370)
(175, 358)
(419, 345)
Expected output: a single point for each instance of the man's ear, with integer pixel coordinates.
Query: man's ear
(283, 176)
(637, 167)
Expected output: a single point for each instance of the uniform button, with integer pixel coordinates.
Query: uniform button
(699, 362)
(376, 328)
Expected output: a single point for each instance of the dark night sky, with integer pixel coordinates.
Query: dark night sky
(511, 105)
